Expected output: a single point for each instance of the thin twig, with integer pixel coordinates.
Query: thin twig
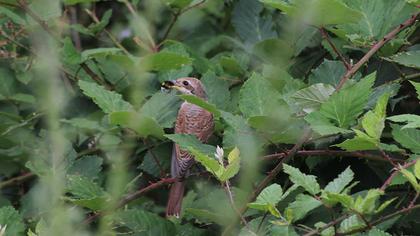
(394, 173)
(17, 179)
(330, 224)
(334, 153)
(375, 48)
(226, 184)
(334, 48)
(131, 197)
(110, 35)
(175, 17)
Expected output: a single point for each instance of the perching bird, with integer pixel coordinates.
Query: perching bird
(191, 119)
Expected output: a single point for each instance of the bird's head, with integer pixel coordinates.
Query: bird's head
(187, 85)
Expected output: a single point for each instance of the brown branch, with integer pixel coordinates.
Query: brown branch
(131, 197)
(334, 48)
(358, 154)
(330, 224)
(110, 35)
(375, 48)
(24, 5)
(396, 171)
(17, 179)
(74, 33)
(381, 220)
(175, 17)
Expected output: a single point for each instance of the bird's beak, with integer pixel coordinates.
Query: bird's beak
(171, 84)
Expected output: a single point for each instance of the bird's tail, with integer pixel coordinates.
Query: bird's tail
(176, 194)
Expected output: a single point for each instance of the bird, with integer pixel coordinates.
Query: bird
(191, 119)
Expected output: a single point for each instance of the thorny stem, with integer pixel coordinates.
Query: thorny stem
(335, 49)
(394, 173)
(376, 48)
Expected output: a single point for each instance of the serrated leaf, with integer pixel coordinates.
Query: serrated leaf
(83, 188)
(12, 220)
(188, 141)
(417, 87)
(377, 232)
(145, 222)
(217, 90)
(413, 121)
(201, 103)
(98, 52)
(302, 206)
(87, 166)
(143, 125)
(310, 99)
(351, 223)
(329, 72)
(322, 125)
(409, 58)
(258, 97)
(385, 205)
(317, 12)
(233, 167)
(333, 198)
(162, 61)
(163, 108)
(408, 138)
(248, 23)
(268, 199)
(346, 105)
(361, 141)
(339, 183)
(308, 182)
(417, 169)
(108, 101)
(367, 204)
(411, 178)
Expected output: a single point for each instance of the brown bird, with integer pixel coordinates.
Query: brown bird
(191, 119)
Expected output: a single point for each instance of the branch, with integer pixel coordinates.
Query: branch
(332, 223)
(358, 154)
(131, 197)
(396, 171)
(24, 5)
(381, 220)
(175, 17)
(17, 179)
(327, 38)
(375, 48)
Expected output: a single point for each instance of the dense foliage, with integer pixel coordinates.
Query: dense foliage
(315, 106)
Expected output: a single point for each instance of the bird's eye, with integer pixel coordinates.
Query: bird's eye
(185, 83)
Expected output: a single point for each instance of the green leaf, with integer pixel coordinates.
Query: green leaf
(344, 199)
(145, 222)
(201, 103)
(143, 125)
(409, 58)
(302, 206)
(248, 23)
(417, 87)
(162, 107)
(69, 53)
(217, 90)
(322, 125)
(73, 2)
(268, 199)
(339, 183)
(367, 204)
(329, 72)
(411, 178)
(258, 97)
(308, 182)
(12, 220)
(98, 52)
(108, 101)
(45, 9)
(385, 205)
(178, 3)
(211, 164)
(83, 188)
(188, 141)
(12, 16)
(162, 61)
(351, 223)
(310, 99)
(413, 121)
(317, 12)
(360, 142)
(83, 123)
(377, 232)
(157, 159)
(87, 166)
(346, 105)
(417, 169)
(373, 122)
(233, 167)
(408, 138)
